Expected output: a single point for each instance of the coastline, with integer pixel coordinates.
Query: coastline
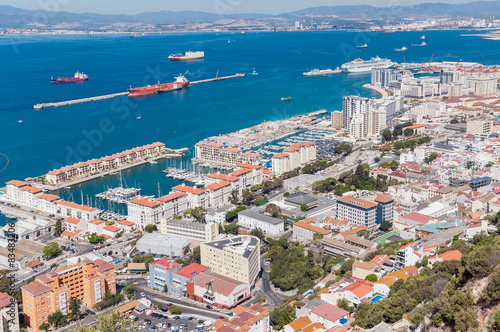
(382, 92)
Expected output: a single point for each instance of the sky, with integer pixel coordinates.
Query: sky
(212, 6)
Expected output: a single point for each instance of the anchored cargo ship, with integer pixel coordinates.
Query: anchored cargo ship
(361, 66)
(180, 82)
(422, 44)
(402, 49)
(77, 78)
(187, 56)
(362, 46)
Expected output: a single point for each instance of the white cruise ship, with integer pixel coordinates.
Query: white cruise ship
(361, 66)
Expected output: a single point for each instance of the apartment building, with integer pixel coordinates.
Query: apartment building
(144, 212)
(218, 193)
(255, 219)
(337, 119)
(365, 212)
(185, 275)
(281, 163)
(234, 180)
(76, 210)
(305, 229)
(195, 196)
(294, 156)
(173, 204)
(87, 281)
(253, 319)
(9, 315)
(161, 273)
(214, 152)
(192, 230)
(235, 257)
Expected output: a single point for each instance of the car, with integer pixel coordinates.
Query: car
(222, 317)
(209, 307)
(169, 324)
(267, 263)
(184, 317)
(217, 309)
(177, 317)
(191, 318)
(143, 295)
(159, 325)
(164, 309)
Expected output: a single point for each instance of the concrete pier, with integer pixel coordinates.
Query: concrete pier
(113, 95)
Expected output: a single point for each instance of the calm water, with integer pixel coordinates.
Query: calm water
(58, 136)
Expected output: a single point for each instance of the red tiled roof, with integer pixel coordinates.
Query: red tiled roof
(217, 185)
(358, 202)
(281, 155)
(171, 196)
(224, 177)
(330, 312)
(145, 202)
(32, 190)
(169, 265)
(188, 189)
(418, 217)
(71, 220)
(35, 288)
(191, 270)
(451, 255)
(247, 165)
(49, 197)
(17, 183)
(112, 228)
(240, 171)
(76, 206)
(220, 284)
(125, 223)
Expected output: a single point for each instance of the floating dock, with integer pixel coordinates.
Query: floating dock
(113, 95)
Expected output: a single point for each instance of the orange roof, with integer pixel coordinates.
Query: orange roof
(300, 323)
(451, 255)
(76, 206)
(415, 126)
(388, 281)
(125, 223)
(96, 221)
(107, 237)
(240, 171)
(357, 202)
(32, 190)
(403, 273)
(188, 189)
(112, 228)
(305, 224)
(313, 327)
(281, 155)
(359, 289)
(33, 263)
(383, 199)
(224, 177)
(171, 196)
(247, 165)
(74, 221)
(325, 290)
(145, 202)
(49, 197)
(66, 233)
(17, 183)
(217, 185)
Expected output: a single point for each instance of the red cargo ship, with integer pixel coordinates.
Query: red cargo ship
(79, 77)
(180, 82)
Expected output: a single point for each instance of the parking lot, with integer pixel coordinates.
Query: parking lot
(159, 321)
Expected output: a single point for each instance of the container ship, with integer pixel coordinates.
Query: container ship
(187, 56)
(180, 82)
(362, 66)
(79, 77)
(402, 49)
(422, 44)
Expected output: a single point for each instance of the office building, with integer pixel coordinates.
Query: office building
(365, 212)
(190, 229)
(255, 219)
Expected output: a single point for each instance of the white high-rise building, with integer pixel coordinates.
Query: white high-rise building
(363, 117)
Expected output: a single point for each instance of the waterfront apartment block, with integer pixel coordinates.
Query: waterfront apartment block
(87, 281)
(365, 212)
(144, 212)
(235, 257)
(292, 157)
(219, 153)
(195, 196)
(190, 229)
(9, 315)
(218, 193)
(95, 166)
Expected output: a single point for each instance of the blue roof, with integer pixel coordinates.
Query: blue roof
(436, 228)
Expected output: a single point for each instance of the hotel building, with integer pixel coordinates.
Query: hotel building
(237, 257)
(86, 281)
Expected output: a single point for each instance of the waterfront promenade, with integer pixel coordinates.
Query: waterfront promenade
(382, 92)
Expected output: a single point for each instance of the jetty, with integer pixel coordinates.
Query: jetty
(113, 95)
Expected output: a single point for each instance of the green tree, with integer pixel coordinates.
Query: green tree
(109, 322)
(51, 250)
(408, 132)
(175, 310)
(281, 315)
(247, 197)
(233, 198)
(344, 304)
(56, 318)
(387, 135)
(260, 200)
(58, 227)
(199, 213)
(273, 210)
(44, 327)
(267, 186)
(304, 207)
(495, 324)
(257, 232)
(371, 277)
(232, 229)
(431, 158)
(165, 288)
(96, 239)
(150, 228)
(74, 308)
(385, 225)
(197, 255)
(317, 237)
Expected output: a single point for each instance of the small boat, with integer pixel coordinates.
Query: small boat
(362, 46)
(402, 49)
(38, 106)
(286, 98)
(138, 116)
(422, 44)
(67, 187)
(153, 162)
(135, 35)
(423, 37)
(322, 72)
(10, 216)
(21, 121)
(254, 72)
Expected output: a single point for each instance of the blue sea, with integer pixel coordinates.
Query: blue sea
(53, 137)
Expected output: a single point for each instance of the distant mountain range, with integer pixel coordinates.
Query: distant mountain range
(22, 18)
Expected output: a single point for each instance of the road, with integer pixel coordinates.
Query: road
(272, 298)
